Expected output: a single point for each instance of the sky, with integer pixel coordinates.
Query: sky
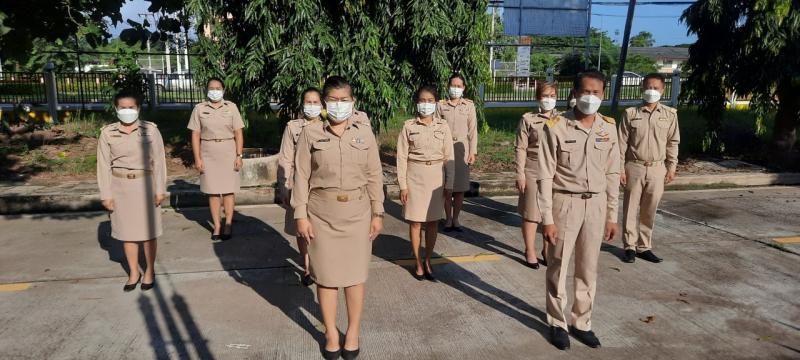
(662, 21)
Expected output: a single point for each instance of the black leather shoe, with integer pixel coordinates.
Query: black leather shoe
(429, 276)
(649, 256)
(588, 338)
(629, 257)
(216, 237)
(350, 354)
(531, 265)
(227, 235)
(149, 286)
(331, 355)
(559, 338)
(130, 287)
(307, 280)
(417, 276)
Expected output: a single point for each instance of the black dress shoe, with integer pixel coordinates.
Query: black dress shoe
(350, 354)
(149, 286)
(216, 237)
(331, 355)
(417, 276)
(586, 337)
(229, 234)
(130, 287)
(629, 257)
(559, 338)
(307, 280)
(649, 256)
(428, 276)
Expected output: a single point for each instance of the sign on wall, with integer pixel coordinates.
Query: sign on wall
(546, 17)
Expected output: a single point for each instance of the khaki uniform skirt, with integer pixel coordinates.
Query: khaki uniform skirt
(461, 179)
(425, 192)
(528, 206)
(340, 251)
(219, 176)
(136, 216)
(290, 224)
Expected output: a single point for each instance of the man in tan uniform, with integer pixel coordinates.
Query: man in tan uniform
(649, 139)
(578, 190)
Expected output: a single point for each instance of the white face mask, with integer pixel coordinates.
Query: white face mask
(650, 96)
(215, 95)
(311, 111)
(456, 92)
(547, 104)
(339, 111)
(127, 116)
(589, 104)
(572, 102)
(426, 109)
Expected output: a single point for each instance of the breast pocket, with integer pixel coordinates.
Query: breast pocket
(662, 126)
(359, 151)
(321, 153)
(601, 149)
(567, 153)
(415, 141)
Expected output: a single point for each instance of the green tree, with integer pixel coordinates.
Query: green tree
(25, 21)
(751, 47)
(273, 49)
(640, 64)
(643, 39)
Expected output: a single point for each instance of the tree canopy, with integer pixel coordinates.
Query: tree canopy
(272, 50)
(643, 39)
(751, 47)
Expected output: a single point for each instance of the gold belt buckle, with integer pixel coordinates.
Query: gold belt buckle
(342, 198)
(585, 196)
(131, 176)
(647, 163)
(428, 162)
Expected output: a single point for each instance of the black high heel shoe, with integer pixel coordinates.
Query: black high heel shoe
(229, 234)
(428, 275)
(331, 355)
(544, 259)
(350, 354)
(417, 276)
(534, 266)
(149, 286)
(130, 287)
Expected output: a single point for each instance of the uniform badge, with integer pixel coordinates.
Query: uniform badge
(602, 139)
(358, 140)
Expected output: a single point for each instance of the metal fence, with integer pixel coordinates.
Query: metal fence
(20, 87)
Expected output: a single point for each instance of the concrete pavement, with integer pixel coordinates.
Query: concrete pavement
(725, 290)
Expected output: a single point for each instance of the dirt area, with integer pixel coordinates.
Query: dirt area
(60, 154)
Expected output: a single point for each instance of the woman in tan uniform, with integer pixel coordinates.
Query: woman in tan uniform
(463, 122)
(312, 106)
(338, 203)
(425, 174)
(529, 133)
(217, 143)
(132, 176)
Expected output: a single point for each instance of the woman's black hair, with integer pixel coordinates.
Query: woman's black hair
(425, 88)
(456, 76)
(333, 83)
(123, 94)
(309, 90)
(214, 78)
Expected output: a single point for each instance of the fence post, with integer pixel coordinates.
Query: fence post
(152, 94)
(482, 92)
(676, 88)
(50, 92)
(613, 86)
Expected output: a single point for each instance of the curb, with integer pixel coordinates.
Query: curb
(27, 204)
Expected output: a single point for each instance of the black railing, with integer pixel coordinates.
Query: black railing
(523, 89)
(177, 89)
(20, 87)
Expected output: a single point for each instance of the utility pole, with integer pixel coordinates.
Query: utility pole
(149, 59)
(491, 40)
(623, 56)
(166, 51)
(588, 33)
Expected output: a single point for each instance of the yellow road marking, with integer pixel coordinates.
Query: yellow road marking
(453, 259)
(15, 287)
(788, 240)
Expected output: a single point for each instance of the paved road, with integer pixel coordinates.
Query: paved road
(726, 290)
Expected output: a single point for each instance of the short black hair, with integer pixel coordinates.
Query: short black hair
(309, 90)
(589, 75)
(657, 76)
(333, 83)
(214, 78)
(425, 88)
(456, 76)
(126, 93)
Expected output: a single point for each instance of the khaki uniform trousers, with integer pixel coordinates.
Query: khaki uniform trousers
(643, 192)
(581, 226)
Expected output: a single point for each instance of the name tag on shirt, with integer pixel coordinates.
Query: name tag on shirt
(324, 140)
(602, 139)
(570, 141)
(413, 133)
(116, 135)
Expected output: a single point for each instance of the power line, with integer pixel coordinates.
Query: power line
(638, 16)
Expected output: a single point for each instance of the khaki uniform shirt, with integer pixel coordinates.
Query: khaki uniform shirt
(418, 142)
(142, 149)
(650, 136)
(463, 121)
(529, 133)
(215, 123)
(288, 145)
(577, 160)
(327, 161)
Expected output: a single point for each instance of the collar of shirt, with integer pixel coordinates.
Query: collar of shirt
(420, 122)
(350, 123)
(572, 122)
(644, 108)
(211, 105)
(117, 127)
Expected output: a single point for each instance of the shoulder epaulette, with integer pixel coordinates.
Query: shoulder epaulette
(149, 123)
(553, 121)
(609, 120)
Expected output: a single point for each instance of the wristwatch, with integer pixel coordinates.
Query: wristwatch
(377, 215)
(239, 156)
